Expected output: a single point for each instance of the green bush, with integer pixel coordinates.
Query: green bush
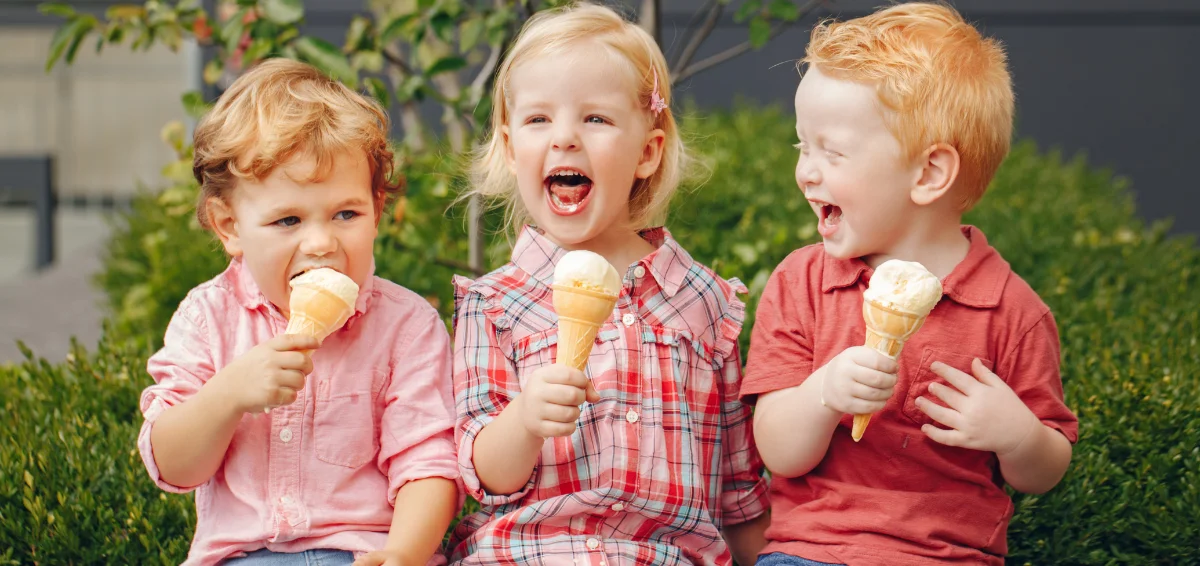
(1124, 296)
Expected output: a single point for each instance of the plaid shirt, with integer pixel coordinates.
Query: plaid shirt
(660, 464)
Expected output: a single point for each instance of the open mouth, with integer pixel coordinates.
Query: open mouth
(830, 217)
(307, 269)
(568, 190)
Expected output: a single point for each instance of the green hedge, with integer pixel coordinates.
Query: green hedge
(72, 488)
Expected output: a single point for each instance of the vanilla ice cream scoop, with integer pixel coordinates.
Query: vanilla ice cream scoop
(330, 280)
(587, 270)
(904, 285)
(322, 301)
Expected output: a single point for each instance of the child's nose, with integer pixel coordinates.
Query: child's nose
(318, 241)
(807, 173)
(566, 138)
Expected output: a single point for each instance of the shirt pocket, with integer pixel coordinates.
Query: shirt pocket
(925, 376)
(345, 418)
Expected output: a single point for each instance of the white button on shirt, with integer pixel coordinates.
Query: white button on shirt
(631, 416)
(593, 544)
(628, 319)
(285, 435)
(639, 272)
(285, 500)
(618, 507)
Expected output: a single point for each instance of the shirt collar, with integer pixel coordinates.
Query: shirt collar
(251, 297)
(669, 263)
(977, 281)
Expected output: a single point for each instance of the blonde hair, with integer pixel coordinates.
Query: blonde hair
(277, 110)
(551, 31)
(942, 80)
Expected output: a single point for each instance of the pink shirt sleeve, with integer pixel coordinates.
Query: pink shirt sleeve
(417, 424)
(180, 369)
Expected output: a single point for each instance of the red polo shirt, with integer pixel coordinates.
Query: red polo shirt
(898, 497)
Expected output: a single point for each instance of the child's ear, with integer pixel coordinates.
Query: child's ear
(938, 171)
(509, 157)
(652, 154)
(223, 222)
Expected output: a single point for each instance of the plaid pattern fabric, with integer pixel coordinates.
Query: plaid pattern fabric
(660, 464)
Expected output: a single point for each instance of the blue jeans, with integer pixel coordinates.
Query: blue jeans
(322, 557)
(781, 559)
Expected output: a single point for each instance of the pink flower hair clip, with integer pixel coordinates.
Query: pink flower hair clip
(657, 104)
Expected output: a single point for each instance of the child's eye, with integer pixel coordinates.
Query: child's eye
(288, 221)
(346, 215)
(830, 153)
(537, 120)
(596, 120)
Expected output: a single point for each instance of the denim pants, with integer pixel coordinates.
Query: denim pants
(781, 559)
(322, 557)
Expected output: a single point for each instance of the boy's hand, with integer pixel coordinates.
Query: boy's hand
(981, 412)
(382, 558)
(551, 399)
(858, 381)
(269, 375)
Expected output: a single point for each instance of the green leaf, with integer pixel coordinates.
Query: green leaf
(258, 50)
(56, 9)
(70, 34)
(445, 65)
(760, 32)
(328, 58)
(443, 27)
(469, 34)
(746, 10)
(283, 12)
(370, 61)
(125, 12)
(232, 31)
(115, 33)
(410, 89)
(397, 28)
(783, 10)
(358, 33)
(194, 104)
(378, 90)
(213, 70)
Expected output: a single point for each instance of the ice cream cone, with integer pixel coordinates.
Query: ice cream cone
(887, 330)
(580, 314)
(322, 301)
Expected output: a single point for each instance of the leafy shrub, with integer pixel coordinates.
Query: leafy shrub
(1124, 295)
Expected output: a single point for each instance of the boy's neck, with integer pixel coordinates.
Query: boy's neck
(939, 245)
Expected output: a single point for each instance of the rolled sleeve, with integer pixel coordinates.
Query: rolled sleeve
(417, 425)
(1032, 371)
(485, 382)
(179, 369)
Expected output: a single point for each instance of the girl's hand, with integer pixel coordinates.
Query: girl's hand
(858, 381)
(551, 399)
(982, 412)
(269, 375)
(381, 558)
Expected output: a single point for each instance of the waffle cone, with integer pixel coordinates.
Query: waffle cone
(580, 314)
(316, 312)
(887, 330)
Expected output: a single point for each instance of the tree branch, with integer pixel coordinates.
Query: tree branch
(697, 38)
(398, 61)
(741, 48)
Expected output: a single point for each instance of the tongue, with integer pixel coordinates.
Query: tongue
(569, 194)
(834, 217)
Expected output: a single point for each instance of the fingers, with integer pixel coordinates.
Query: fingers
(982, 373)
(950, 396)
(370, 559)
(866, 357)
(875, 379)
(293, 342)
(943, 415)
(283, 396)
(565, 375)
(961, 381)
(295, 360)
(941, 436)
(591, 395)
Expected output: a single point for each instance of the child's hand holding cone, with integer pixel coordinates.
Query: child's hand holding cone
(586, 287)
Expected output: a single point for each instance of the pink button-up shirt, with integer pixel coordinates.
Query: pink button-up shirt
(377, 412)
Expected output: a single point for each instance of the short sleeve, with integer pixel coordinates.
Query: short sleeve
(1032, 371)
(781, 350)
